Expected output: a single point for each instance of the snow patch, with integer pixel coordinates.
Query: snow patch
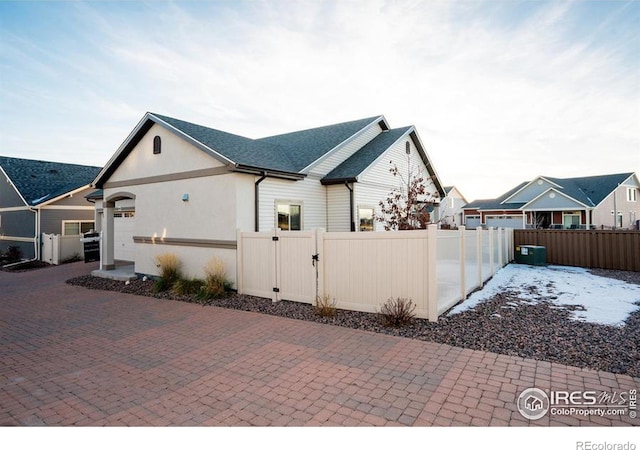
(591, 298)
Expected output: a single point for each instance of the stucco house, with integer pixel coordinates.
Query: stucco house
(42, 197)
(602, 201)
(188, 188)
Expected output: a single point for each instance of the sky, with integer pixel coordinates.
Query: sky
(499, 91)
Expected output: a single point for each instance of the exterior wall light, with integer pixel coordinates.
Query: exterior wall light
(185, 197)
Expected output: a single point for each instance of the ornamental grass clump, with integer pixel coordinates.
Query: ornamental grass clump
(325, 306)
(186, 286)
(169, 266)
(216, 284)
(397, 312)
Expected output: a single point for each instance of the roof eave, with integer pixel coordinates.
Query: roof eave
(62, 196)
(427, 162)
(343, 180)
(241, 168)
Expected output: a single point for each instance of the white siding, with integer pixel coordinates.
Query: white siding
(377, 182)
(337, 157)
(307, 192)
(338, 208)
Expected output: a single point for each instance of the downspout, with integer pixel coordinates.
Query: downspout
(256, 202)
(351, 221)
(38, 231)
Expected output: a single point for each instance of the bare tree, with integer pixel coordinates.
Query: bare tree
(405, 208)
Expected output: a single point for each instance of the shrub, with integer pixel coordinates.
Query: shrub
(14, 253)
(184, 286)
(169, 266)
(325, 306)
(397, 312)
(216, 283)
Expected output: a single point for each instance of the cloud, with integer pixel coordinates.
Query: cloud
(499, 91)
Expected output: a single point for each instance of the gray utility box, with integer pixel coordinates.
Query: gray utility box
(535, 255)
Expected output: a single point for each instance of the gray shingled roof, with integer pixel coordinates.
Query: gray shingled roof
(39, 181)
(241, 150)
(306, 146)
(590, 190)
(363, 158)
(496, 203)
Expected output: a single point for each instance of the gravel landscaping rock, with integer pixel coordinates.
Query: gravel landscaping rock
(504, 324)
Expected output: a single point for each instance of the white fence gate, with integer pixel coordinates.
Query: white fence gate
(57, 248)
(277, 265)
(434, 268)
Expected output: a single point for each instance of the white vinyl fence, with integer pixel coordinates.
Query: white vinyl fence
(434, 268)
(57, 248)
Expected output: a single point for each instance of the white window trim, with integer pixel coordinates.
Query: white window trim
(632, 195)
(299, 203)
(373, 209)
(79, 222)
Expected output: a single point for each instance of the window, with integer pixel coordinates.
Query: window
(620, 220)
(365, 218)
(632, 195)
(289, 216)
(571, 220)
(76, 227)
(125, 214)
(157, 145)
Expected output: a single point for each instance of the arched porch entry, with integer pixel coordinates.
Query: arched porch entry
(113, 205)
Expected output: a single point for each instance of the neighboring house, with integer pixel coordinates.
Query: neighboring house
(604, 201)
(42, 197)
(187, 188)
(449, 212)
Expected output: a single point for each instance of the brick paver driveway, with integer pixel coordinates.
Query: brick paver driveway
(72, 356)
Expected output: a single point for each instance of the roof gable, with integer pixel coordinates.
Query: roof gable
(363, 158)
(553, 199)
(41, 181)
(530, 190)
(452, 191)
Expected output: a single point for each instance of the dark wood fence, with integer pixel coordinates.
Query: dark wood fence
(602, 249)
